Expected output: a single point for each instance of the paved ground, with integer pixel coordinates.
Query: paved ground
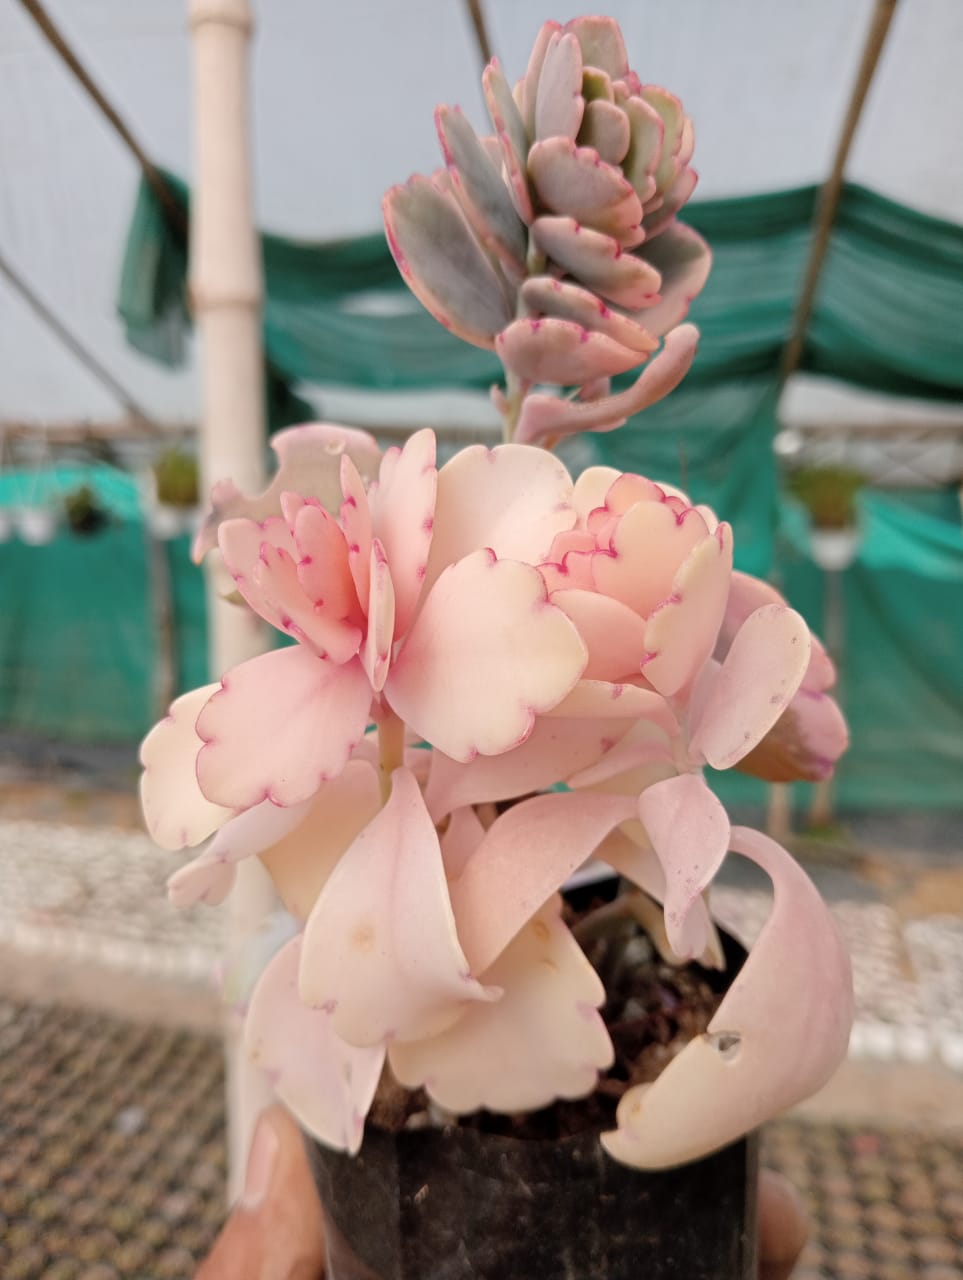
(111, 1110)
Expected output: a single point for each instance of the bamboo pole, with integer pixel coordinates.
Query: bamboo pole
(226, 290)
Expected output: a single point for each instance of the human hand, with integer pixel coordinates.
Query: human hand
(275, 1231)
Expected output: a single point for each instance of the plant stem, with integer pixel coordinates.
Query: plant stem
(391, 748)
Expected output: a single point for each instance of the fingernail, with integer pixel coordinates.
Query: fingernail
(260, 1164)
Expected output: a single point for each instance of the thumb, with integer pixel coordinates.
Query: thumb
(274, 1232)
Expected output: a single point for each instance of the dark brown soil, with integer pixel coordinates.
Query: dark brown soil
(652, 1012)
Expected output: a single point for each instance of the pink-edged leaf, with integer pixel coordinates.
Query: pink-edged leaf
(779, 1034)
(271, 585)
(512, 137)
(481, 192)
(553, 752)
(309, 460)
(597, 261)
(613, 634)
(261, 729)
(550, 416)
(804, 743)
(746, 594)
(380, 946)
(542, 1040)
(670, 111)
(605, 127)
(561, 351)
(689, 831)
(486, 654)
(681, 634)
(211, 875)
(356, 522)
(683, 260)
(655, 224)
(548, 296)
(636, 760)
(591, 488)
(576, 182)
(442, 262)
(600, 40)
(461, 838)
(376, 653)
(645, 147)
(528, 85)
(755, 684)
(326, 1084)
(559, 103)
(649, 544)
(591, 699)
(177, 813)
(512, 499)
(527, 855)
(323, 568)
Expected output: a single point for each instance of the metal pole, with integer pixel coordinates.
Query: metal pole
(226, 288)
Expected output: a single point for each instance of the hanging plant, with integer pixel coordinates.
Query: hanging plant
(176, 479)
(828, 494)
(84, 511)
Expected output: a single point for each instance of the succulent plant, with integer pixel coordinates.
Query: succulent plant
(555, 242)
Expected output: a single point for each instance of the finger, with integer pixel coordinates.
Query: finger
(274, 1231)
(783, 1226)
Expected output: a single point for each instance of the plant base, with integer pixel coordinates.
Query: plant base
(456, 1204)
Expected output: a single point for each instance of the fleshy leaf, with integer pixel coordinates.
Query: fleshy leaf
(689, 831)
(512, 137)
(681, 635)
(577, 182)
(526, 856)
(683, 260)
(649, 544)
(755, 684)
(613, 634)
(380, 947)
(481, 192)
(555, 750)
(600, 40)
(176, 811)
(804, 743)
(309, 460)
(779, 1034)
(645, 147)
(326, 1084)
(356, 523)
(488, 642)
(559, 103)
(402, 518)
(543, 1040)
(561, 351)
(605, 127)
(546, 295)
(597, 260)
(512, 499)
(461, 838)
(529, 82)
(670, 111)
(442, 262)
(655, 223)
(261, 729)
(547, 416)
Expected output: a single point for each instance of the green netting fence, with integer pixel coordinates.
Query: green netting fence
(76, 642)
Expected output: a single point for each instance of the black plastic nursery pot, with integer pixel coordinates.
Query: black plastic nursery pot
(456, 1204)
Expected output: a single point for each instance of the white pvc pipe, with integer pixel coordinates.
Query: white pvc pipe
(226, 291)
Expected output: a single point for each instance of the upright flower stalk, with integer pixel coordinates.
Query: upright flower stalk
(496, 673)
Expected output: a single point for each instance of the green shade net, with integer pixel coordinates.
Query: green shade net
(886, 317)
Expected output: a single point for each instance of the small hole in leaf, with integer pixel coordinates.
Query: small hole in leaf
(728, 1044)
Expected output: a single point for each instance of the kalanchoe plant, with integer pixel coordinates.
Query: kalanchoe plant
(500, 673)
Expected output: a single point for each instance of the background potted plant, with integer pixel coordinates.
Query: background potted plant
(501, 673)
(829, 495)
(84, 511)
(174, 494)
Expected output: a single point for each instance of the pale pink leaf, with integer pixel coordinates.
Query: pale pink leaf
(486, 654)
(804, 743)
(402, 517)
(526, 856)
(262, 731)
(649, 544)
(176, 810)
(542, 1040)
(326, 1084)
(755, 684)
(380, 946)
(681, 634)
(779, 1034)
(689, 831)
(356, 522)
(460, 839)
(558, 102)
(511, 499)
(376, 652)
(554, 751)
(309, 461)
